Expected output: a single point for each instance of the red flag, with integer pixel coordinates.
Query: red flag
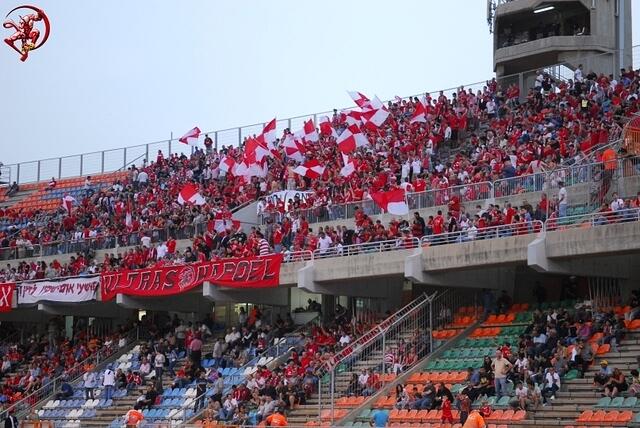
(191, 137)
(6, 296)
(419, 114)
(67, 202)
(309, 131)
(350, 139)
(392, 201)
(293, 149)
(190, 195)
(325, 127)
(359, 98)
(227, 164)
(254, 151)
(311, 169)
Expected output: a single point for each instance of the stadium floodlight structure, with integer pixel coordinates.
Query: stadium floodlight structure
(534, 34)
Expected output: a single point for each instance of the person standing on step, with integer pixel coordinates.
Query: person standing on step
(501, 368)
(108, 382)
(90, 382)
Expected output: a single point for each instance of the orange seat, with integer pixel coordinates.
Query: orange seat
(635, 324)
(596, 337)
(585, 416)
(598, 416)
(510, 318)
(507, 415)
(496, 415)
(492, 319)
(611, 416)
(625, 416)
(603, 349)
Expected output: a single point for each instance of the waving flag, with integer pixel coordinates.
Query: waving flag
(67, 202)
(325, 127)
(311, 169)
(255, 151)
(350, 139)
(189, 195)
(419, 114)
(191, 137)
(348, 168)
(127, 217)
(359, 98)
(227, 164)
(353, 117)
(376, 115)
(221, 224)
(309, 131)
(293, 149)
(269, 132)
(392, 201)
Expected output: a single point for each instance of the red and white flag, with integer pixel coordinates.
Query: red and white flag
(376, 115)
(191, 137)
(359, 98)
(269, 132)
(255, 151)
(222, 224)
(248, 170)
(6, 296)
(350, 139)
(227, 164)
(349, 166)
(311, 169)
(309, 132)
(419, 114)
(293, 149)
(392, 201)
(127, 217)
(326, 128)
(353, 117)
(67, 202)
(190, 195)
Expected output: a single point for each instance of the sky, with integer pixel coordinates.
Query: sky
(121, 73)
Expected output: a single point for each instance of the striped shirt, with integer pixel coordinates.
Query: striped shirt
(263, 247)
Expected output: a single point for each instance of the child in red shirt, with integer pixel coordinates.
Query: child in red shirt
(447, 416)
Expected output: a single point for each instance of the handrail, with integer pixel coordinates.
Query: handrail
(477, 234)
(541, 181)
(600, 218)
(367, 247)
(45, 392)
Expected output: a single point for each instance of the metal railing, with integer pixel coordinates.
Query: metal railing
(538, 182)
(391, 347)
(602, 218)
(99, 359)
(475, 234)
(119, 158)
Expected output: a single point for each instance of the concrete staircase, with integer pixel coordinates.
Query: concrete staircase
(122, 405)
(17, 197)
(578, 395)
(318, 402)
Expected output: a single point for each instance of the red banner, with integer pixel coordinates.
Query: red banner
(6, 296)
(255, 272)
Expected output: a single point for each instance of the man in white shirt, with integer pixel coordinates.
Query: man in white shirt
(108, 382)
(324, 243)
(551, 385)
(143, 178)
(520, 399)
(161, 251)
(562, 200)
(617, 203)
(158, 363)
(146, 241)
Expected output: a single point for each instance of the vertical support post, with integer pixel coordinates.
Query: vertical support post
(102, 161)
(239, 137)
(59, 168)
(169, 154)
(430, 325)
(124, 161)
(146, 154)
(333, 387)
(81, 165)
(38, 175)
(215, 140)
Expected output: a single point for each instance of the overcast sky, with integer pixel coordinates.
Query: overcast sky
(118, 73)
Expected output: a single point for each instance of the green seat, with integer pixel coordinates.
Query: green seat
(572, 374)
(491, 401)
(450, 353)
(365, 414)
(630, 402)
(431, 365)
(456, 388)
(503, 402)
(603, 403)
(617, 402)
(465, 353)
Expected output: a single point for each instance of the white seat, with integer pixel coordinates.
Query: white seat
(191, 392)
(268, 360)
(187, 403)
(40, 412)
(48, 405)
(179, 415)
(172, 413)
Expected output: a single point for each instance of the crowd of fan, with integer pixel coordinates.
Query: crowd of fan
(32, 364)
(498, 137)
(555, 342)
